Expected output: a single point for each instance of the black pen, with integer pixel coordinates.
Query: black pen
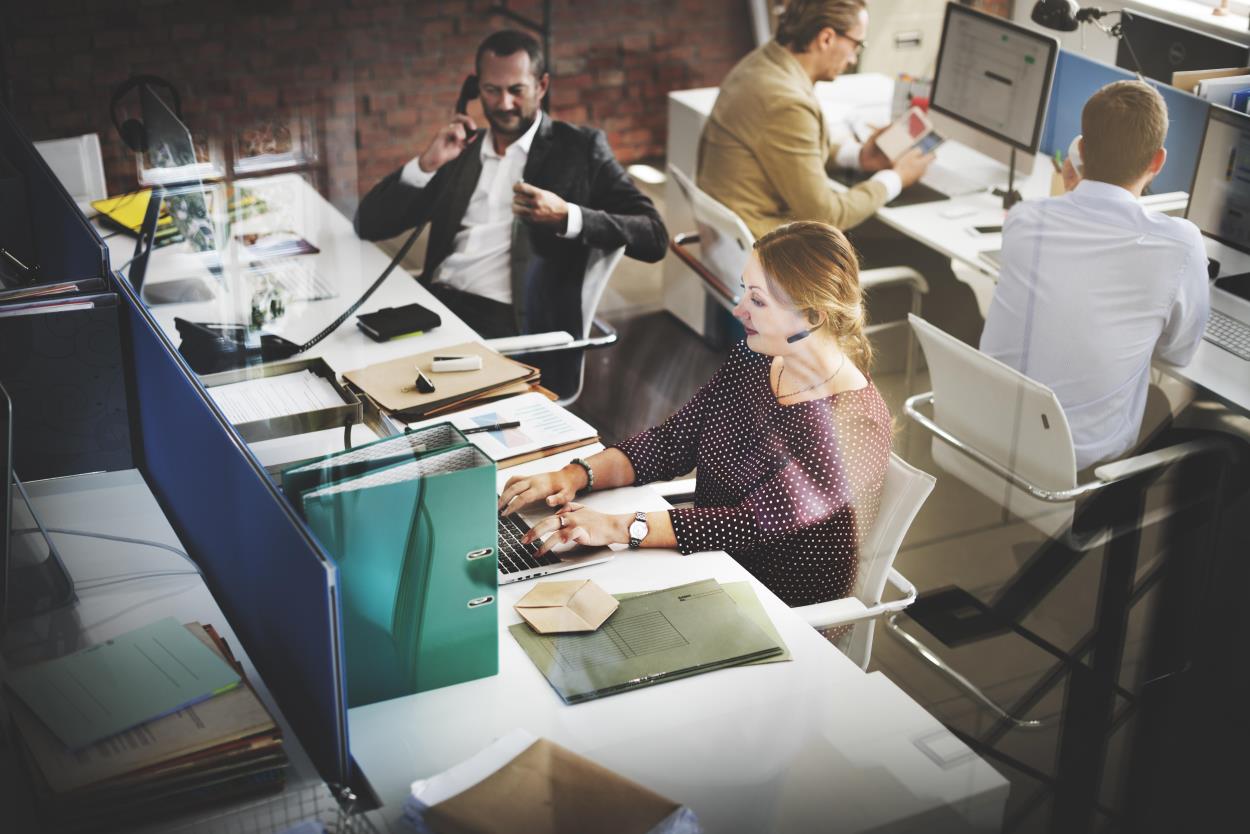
(514, 424)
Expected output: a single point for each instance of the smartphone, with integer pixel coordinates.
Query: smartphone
(988, 230)
(390, 322)
(930, 142)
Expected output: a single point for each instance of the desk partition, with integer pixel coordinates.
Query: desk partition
(1077, 78)
(270, 577)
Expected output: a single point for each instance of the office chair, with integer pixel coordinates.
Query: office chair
(599, 268)
(725, 243)
(1019, 454)
(902, 496)
(79, 165)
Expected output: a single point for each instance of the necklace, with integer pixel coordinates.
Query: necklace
(782, 373)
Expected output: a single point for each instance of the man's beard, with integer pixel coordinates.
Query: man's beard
(523, 124)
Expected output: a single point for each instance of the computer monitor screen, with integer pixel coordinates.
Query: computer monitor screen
(994, 75)
(171, 157)
(1164, 48)
(1219, 199)
(32, 577)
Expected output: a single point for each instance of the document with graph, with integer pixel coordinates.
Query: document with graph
(543, 428)
(651, 638)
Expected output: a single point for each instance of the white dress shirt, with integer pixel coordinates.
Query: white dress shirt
(848, 157)
(1092, 287)
(479, 262)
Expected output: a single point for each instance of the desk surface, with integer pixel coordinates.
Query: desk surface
(774, 747)
(789, 746)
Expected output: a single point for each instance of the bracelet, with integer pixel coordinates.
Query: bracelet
(590, 474)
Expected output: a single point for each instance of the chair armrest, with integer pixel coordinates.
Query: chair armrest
(821, 615)
(1105, 475)
(889, 275)
(1118, 470)
(676, 492)
(712, 285)
(554, 342)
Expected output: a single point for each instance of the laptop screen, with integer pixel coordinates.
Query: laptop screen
(1219, 199)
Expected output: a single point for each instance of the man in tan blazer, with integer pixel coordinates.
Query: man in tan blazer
(765, 152)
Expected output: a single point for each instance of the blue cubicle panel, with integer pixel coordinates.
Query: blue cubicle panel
(275, 584)
(1077, 78)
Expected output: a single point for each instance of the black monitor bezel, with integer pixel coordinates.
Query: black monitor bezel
(1232, 116)
(1051, 61)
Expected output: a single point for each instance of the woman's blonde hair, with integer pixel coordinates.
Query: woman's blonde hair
(815, 266)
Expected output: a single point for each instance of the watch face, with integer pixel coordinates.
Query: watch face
(638, 530)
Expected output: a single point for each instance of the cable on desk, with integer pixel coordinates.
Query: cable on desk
(125, 539)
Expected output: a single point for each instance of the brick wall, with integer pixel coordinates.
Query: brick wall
(375, 76)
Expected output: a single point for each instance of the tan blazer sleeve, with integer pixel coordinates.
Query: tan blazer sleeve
(793, 157)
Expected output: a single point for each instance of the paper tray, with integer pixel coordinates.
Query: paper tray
(349, 413)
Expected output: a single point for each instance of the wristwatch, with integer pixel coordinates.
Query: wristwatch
(638, 530)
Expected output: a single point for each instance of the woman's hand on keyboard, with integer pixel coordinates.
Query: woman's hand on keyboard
(555, 488)
(576, 525)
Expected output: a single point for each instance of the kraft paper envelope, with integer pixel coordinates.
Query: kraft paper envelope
(547, 789)
(555, 607)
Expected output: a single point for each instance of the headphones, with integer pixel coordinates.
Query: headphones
(132, 131)
(803, 334)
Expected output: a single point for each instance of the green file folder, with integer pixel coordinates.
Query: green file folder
(415, 547)
(350, 463)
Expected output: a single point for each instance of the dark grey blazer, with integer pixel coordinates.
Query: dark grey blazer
(571, 161)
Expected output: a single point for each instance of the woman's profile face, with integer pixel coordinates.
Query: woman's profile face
(767, 318)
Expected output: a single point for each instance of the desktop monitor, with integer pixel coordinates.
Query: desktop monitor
(32, 577)
(1219, 199)
(993, 76)
(1164, 48)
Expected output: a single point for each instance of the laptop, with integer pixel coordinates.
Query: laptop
(518, 562)
(1219, 205)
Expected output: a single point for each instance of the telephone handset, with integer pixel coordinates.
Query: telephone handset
(468, 92)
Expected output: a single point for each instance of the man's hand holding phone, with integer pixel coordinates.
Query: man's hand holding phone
(448, 143)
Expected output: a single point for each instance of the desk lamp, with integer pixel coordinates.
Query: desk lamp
(1067, 16)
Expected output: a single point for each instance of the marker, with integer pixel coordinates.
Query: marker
(514, 424)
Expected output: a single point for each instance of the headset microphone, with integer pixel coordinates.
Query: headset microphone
(798, 337)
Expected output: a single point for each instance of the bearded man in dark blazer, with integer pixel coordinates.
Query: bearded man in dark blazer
(515, 209)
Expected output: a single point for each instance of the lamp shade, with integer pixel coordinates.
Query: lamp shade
(1059, 15)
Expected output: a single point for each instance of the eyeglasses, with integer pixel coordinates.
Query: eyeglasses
(859, 45)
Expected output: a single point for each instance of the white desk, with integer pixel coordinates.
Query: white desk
(352, 264)
(813, 744)
(809, 745)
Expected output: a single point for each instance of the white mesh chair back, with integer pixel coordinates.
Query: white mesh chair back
(724, 240)
(1015, 421)
(904, 493)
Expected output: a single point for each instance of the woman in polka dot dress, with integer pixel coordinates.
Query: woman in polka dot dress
(790, 437)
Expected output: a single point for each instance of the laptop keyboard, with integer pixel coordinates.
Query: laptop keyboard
(514, 556)
(1226, 332)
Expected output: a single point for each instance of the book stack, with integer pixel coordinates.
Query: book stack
(221, 748)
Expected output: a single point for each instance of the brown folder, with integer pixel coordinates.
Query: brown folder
(393, 384)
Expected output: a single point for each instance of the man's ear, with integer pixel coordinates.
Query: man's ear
(1156, 161)
(823, 40)
(543, 84)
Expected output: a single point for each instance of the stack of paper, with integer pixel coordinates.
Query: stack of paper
(545, 429)
(392, 385)
(221, 747)
(523, 783)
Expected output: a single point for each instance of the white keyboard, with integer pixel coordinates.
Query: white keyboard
(296, 277)
(948, 181)
(1228, 333)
